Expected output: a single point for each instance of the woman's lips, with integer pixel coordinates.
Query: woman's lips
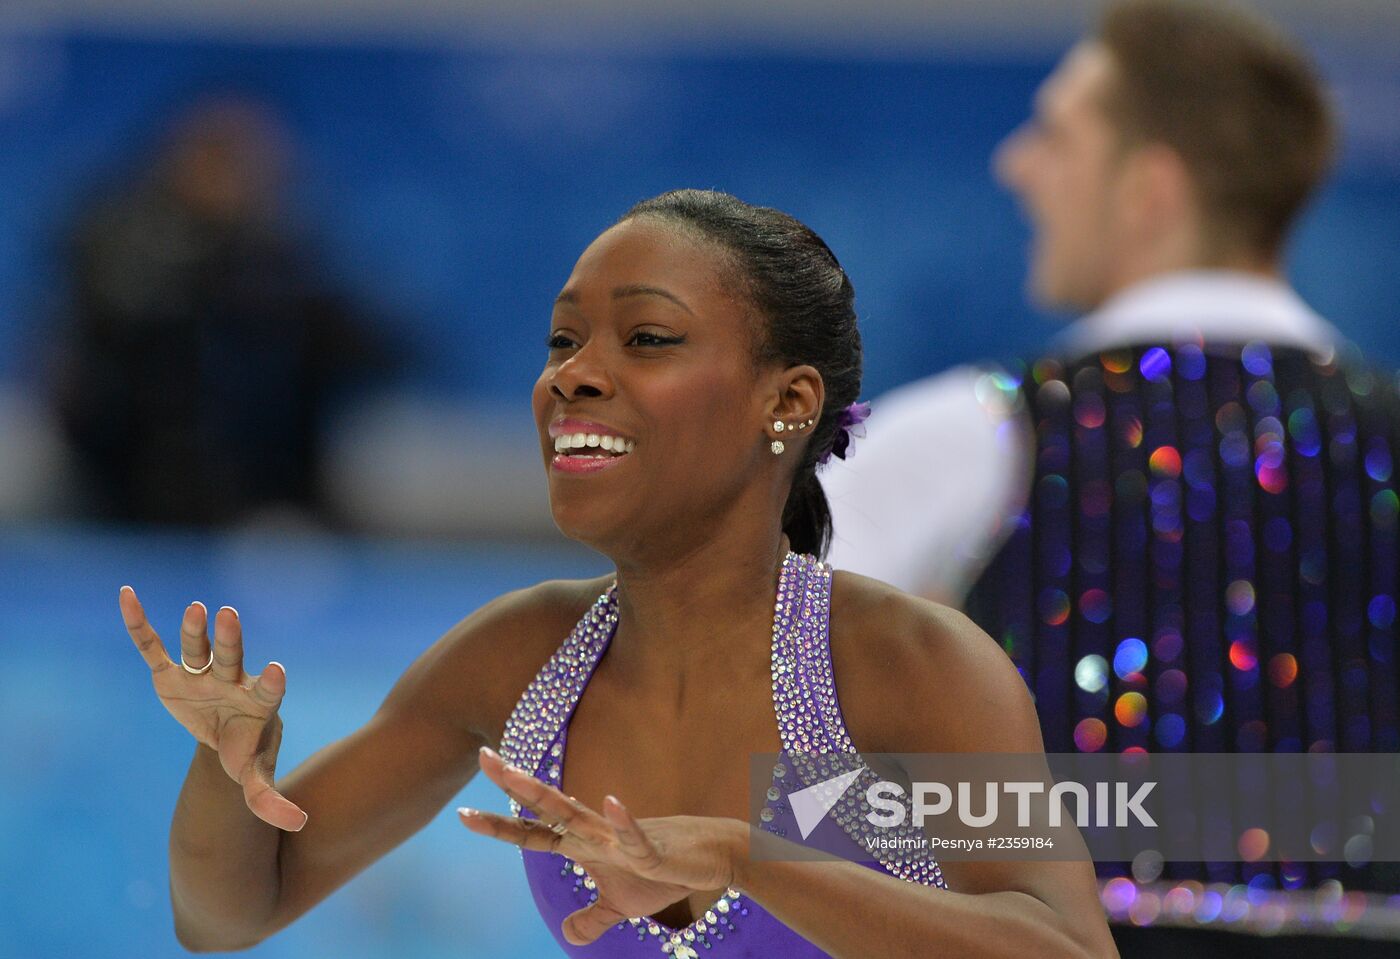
(583, 463)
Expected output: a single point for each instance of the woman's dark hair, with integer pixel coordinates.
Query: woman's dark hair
(808, 307)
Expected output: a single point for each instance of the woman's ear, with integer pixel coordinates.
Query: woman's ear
(796, 401)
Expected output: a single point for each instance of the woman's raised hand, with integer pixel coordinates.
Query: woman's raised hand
(225, 709)
(639, 866)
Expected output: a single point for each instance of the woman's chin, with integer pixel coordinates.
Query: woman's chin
(592, 525)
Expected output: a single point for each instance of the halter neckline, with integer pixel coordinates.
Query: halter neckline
(812, 732)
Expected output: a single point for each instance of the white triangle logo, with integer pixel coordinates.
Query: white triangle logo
(810, 805)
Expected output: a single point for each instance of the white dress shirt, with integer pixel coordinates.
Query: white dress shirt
(924, 501)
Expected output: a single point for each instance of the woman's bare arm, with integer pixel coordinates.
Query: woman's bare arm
(235, 877)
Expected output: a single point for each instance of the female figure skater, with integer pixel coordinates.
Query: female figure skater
(703, 357)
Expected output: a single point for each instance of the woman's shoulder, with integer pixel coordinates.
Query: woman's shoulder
(890, 627)
(918, 676)
(547, 609)
(478, 669)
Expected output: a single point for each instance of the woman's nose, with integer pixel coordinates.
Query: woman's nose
(581, 375)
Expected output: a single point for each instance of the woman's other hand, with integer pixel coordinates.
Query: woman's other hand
(224, 708)
(640, 866)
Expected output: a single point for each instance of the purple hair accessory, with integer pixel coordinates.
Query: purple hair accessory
(847, 422)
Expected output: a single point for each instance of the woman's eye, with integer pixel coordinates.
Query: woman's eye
(655, 339)
(558, 341)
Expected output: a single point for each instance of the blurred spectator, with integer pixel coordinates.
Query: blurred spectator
(202, 350)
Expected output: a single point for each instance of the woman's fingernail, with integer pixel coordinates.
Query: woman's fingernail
(466, 812)
(126, 589)
(200, 605)
(488, 751)
(229, 608)
(304, 818)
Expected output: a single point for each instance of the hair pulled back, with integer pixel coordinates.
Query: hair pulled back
(806, 305)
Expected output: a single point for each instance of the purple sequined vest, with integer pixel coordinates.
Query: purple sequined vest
(809, 723)
(1208, 561)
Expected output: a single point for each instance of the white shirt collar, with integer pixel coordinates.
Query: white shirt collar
(1211, 305)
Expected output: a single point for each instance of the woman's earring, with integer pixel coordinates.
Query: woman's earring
(776, 447)
(778, 426)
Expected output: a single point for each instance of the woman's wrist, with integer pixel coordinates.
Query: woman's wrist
(736, 847)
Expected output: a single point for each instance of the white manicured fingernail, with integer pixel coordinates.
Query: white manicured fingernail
(230, 609)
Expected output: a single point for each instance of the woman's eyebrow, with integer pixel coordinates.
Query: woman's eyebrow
(641, 289)
(631, 289)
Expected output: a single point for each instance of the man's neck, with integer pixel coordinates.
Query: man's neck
(1212, 304)
(1137, 274)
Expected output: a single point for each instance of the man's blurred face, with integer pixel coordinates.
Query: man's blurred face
(1063, 166)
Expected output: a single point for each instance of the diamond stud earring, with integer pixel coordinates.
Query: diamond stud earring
(776, 447)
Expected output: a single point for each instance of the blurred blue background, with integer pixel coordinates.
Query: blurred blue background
(446, 172)
(454, 188)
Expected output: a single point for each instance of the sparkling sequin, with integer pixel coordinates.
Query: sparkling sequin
(1089, 411)
(1131, 709)
(1090, 735)
(1242, 654)
(1130, 657)
(1054, 607)
(1095, 605)
(1257, 359)
(1165, 461)
(1117, 361)
(1091, 673)
(1239, 597)
(810, 727)
(1170, 729)
(1156, 364)
(1283, 669)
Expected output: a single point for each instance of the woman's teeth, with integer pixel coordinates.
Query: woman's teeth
(615, 445)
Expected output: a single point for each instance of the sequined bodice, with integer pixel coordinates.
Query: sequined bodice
(810, 725)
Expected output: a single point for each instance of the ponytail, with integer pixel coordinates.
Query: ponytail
(806, 515)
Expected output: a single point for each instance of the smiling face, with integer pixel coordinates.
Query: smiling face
(1064, 166)
(651, 347)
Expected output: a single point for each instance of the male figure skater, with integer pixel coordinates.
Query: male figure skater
(1181, 521)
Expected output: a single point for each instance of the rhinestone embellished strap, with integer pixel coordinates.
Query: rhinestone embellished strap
(814, 735)
(535, 721)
